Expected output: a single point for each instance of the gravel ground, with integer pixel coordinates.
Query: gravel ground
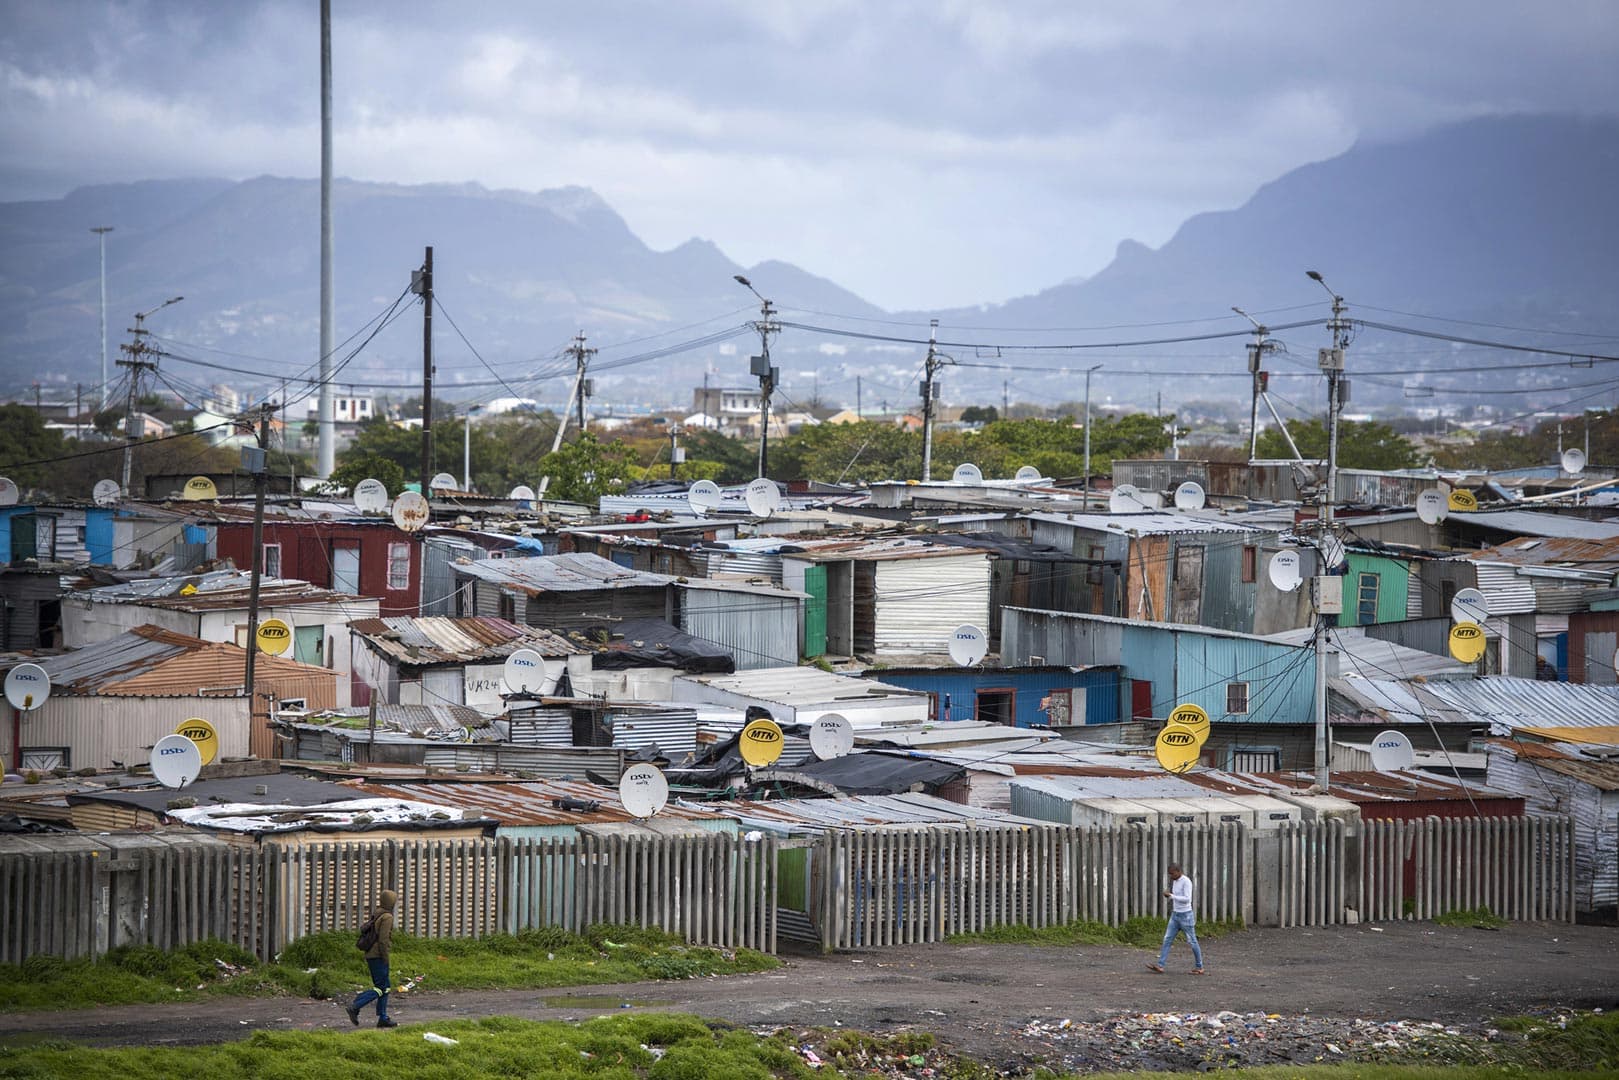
(1270, 996)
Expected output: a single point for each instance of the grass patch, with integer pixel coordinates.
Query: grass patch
(1141, 932)
(328, 965)
(1480, 918)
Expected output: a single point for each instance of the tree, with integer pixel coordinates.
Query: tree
(979, 414)
(27, 445)
(357, 467)
(848, 453)
(1507, 450)
(586, 469)
(1368, 445)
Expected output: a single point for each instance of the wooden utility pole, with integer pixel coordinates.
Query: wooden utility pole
(260, 468)
(422, 285)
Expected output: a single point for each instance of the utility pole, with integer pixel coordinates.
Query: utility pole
(1006, 402)
(1331, 361)
(1257, 349)
(675, 457)
(258, 464)
(138, 350)
(1087, 481)
(929, 396)
(421, 283)
(581, 362)
(78, 414)
(326, 442)
(101, 232)
(466, 450)
(858, 414)
(761, 367)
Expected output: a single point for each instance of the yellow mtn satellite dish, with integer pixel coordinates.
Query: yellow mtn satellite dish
(199, 488)
(760, 743)
(1461, 499)
(1176, 749)
(274, 637)
(203, 734)
(1193, 719)
(1467, 642)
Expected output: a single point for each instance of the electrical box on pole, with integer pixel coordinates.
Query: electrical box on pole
(1327, 594)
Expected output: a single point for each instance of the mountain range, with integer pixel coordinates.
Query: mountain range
(1495, 225)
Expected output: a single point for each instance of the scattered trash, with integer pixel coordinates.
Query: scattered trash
(442, 1040)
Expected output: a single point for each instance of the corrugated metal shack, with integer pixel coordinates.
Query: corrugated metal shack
(1556, 778)
(1034, 696)
(545, 809)
(797, 695)
(438, 660)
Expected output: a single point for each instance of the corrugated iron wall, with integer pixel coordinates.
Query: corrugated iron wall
(920, 602)
(107, 732)
(761, 631)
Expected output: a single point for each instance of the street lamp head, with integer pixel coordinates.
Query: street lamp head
(1314, 275)
(742, 280)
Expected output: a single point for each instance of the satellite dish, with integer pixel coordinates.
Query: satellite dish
(760, 743)
(1189, 496)
(27, 687)
(8, 492)
(1462, 499)
(411, 511)
(525, 672)
(274, 637)
(1331, 550)
(643, 790)
(522, 493)
(1574, 461)
(1284, 570)
(1176, 748)
(1027, 474)
(703, 496)
(199, 488)
(1194, 719)
(175, 761)
(1469, 605)
(106, 492)
(442, 482)
(203, 734)
(1125, 500)
(1432, 506)
(967, 473)
(968, 645)
(1391, 750)
(831, 736)
(764, 497)
(371, 496)
(1468, 642)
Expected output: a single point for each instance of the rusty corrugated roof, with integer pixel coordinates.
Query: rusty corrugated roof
(576, 572)
(150, 661)
(445, 640)
(529, 802)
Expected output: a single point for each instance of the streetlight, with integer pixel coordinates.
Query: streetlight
(1088, 371)
(760, 366)
(143, 314)
(101, 232)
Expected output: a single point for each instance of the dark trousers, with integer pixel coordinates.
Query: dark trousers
(378, 990)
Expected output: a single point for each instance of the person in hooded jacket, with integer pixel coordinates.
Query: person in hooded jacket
(376, 958)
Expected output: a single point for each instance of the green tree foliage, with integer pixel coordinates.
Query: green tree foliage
(1507, 450)
(979, 414)
(27, 445)
(1368, 445)
(357, 467)
(853, 453)
(586, 469)
(733, 461)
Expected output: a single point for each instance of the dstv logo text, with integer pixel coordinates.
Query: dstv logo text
(523, 662)
(1174, 737)
(25, 676)
(169, 751)
(1390, 744)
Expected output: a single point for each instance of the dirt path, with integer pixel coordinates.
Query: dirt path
(988, 1002)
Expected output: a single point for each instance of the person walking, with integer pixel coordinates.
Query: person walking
(1182, 920)
(376, 958)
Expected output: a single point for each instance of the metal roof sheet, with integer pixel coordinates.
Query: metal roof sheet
(1539, 523)
(574, 572)
(1598, 555)
(1365, 657)
(902, 811)
(217, 590)
(1508, 704)
(1150, 523)
(1603, 775)
(880, 549)
(802, 686)
(531, 802)
(444, 640)
(152, 662)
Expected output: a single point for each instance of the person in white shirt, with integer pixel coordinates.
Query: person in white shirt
(1182, 920)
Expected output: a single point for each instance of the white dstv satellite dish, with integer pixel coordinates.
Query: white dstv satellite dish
(522, 493)
(8, 492)
(1027, 474)
(968, 645)
(1125, 500)
(1284, 570)
(1332, 552)
(1469, 605)
(643, 790)
(411, 511)
(967, 473)
(764, 497)
(1574, 461)
(176, 760)
(442, 482)
(106, 492)
(831, 736)
(1391, 750)
(1432, 506)
(525, 672)
(1189, 496)
(704, 496)
(27, 687)
(371, 496)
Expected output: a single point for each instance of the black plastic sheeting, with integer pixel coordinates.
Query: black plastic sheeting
(871, 773)
(639, 643)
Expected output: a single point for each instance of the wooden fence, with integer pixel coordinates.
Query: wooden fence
(862, 887)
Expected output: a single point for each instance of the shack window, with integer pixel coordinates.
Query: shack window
(1367, 612)
(1236, 697)
(1252, 759)
(1250, 563)
(272, 560)
(398, 566)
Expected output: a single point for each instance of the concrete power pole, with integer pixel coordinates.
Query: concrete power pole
(929, 397)
(1327, 606)
(582, 383)
(760, 366)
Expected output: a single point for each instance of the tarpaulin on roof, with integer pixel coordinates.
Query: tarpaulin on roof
(654, 643)
(870, 773)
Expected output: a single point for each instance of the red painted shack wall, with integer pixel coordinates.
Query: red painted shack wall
(306, 554)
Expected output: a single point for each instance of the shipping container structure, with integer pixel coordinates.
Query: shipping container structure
(1035, 696)
(353, 557)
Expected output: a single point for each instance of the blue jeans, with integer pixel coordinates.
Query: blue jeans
(378, 991)
(1181, 922)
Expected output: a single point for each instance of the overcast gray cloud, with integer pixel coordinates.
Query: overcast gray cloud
(922, 153)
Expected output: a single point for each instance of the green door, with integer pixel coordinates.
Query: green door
(815, 611)
(307, 642)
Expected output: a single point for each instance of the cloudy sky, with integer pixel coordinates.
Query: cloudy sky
(920, 152)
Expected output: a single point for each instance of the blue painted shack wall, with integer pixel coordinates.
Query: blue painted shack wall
(98, 535)
(1197, 668)
(1101, 686)
(7, 516)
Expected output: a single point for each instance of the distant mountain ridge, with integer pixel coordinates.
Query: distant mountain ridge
(1507, 220)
